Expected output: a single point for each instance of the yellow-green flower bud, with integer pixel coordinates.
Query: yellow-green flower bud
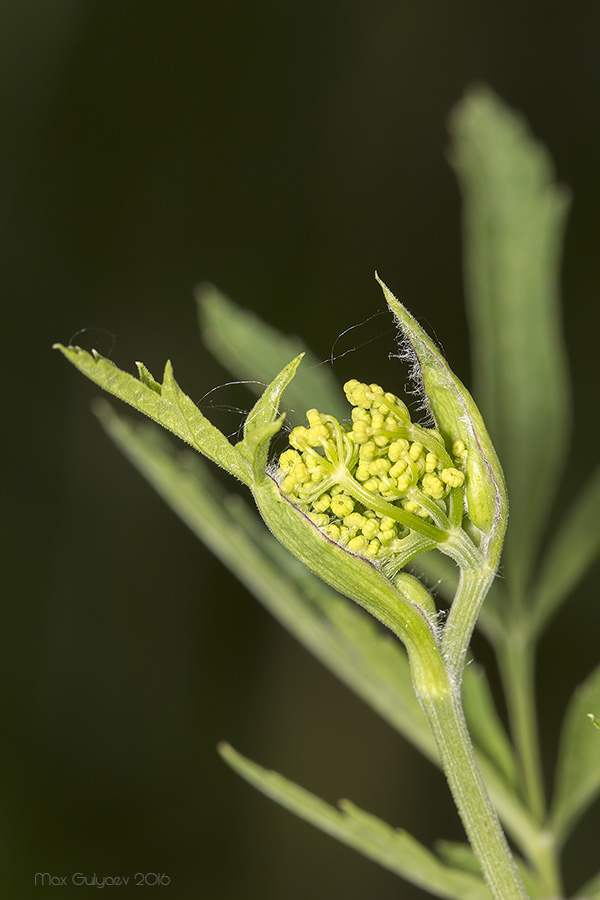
(431, 462)
(433, 486)
(357, 544)
(453, 477)
(342, 505)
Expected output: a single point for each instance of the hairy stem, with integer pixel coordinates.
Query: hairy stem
(446, 718)
(472, 590)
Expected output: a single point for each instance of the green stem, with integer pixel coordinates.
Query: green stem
(472, 589)
(516, 658)
(445, 715)
(446, 718)
(439, 693)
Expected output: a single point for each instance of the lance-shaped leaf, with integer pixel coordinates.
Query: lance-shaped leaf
(457, 418)
(263, 421)
(166, 404)
(394, 849)
(252, 349)
(513, 219)
(578, 770)
(573, 549)
(485, 726)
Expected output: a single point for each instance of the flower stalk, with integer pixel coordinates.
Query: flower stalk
(446, 719)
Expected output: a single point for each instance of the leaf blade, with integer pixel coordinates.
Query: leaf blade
(395, 850)
(263, 420)
(166, 404)
(578, 769)
(513, 221)
(574, 548)
(485, 725)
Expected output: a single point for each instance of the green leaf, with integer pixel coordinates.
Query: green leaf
(263, 422)
(166, 404)
(575, 547)
(148, 378)
(251, 349)
(396, 850)
(578, 770)
(485, 726)
(513, 220)
(364, 656)
(459, 856)
(590, 890)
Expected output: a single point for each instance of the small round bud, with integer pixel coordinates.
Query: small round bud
(397, 449)
(354, 521)
(433, 486)
(459, 450)
(288, 459)
(404, 482)
(431, 462)
(334, 532)
(368, 451)
(453, 477)
(370, 529)
(356, 544)
(322, 503)
(372, 485)
(379, 467)
(398, 469)
(320, 519)
(342, 505)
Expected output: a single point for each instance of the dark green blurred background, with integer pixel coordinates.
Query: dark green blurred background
(283, 150)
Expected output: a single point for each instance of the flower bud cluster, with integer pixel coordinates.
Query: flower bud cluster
(369, 483)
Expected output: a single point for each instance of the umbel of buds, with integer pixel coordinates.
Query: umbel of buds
(369, 484)
(356, 501)
(379, 489)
